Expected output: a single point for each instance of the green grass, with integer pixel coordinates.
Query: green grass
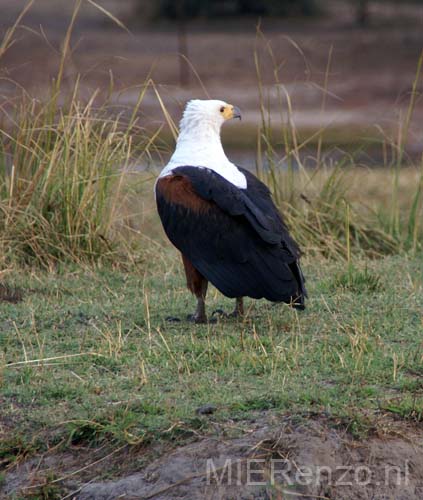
(109, 367)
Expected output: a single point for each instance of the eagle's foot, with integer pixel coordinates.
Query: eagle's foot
(200, 319)
(197, 318)
(172, 319)
(238, 312)
(219, 312)
(222, 314)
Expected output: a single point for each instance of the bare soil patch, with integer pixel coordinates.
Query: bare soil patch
(273, 459)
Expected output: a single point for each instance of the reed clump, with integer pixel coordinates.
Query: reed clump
(63, 162)
(59, 180)
(319, 203)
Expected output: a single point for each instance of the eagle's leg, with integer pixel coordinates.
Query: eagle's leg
(238, 312)
(197, 284)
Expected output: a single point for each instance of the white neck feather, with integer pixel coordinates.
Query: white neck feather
(199, 145)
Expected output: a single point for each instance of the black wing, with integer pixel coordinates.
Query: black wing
(235, 237)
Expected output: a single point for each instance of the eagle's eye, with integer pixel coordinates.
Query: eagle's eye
(222, 109)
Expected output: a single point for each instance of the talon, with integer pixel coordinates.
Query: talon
(201, 320)
(221, 312)
(172, 319)
(194, 318)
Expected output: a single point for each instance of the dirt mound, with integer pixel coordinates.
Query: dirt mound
(311, 460)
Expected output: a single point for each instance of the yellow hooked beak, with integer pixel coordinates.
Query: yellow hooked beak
(230, 112)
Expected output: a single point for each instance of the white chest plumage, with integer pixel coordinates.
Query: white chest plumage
(199, 146)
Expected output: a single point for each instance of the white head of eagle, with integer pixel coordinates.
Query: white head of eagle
(199, 143)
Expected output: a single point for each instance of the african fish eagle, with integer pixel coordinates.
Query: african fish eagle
(223, 220)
